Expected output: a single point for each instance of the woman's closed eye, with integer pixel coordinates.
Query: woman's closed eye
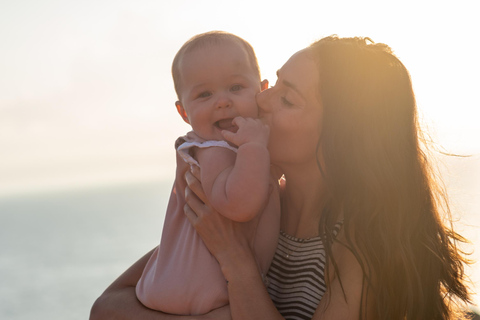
(286, 102)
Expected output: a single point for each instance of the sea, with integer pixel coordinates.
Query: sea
(60, 250)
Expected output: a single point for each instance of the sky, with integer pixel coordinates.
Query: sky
(86, 92)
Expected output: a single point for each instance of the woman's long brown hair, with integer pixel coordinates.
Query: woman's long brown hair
(395, 214)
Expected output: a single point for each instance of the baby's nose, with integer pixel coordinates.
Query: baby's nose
(223, 101)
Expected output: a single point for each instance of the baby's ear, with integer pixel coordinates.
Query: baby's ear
(181, 111)
(264, 84)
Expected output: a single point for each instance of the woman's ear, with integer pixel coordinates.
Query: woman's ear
(264, 84)
(181, 111)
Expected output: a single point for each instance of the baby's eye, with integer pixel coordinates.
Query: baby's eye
(236, 87)
(204, 94)
(286, 102)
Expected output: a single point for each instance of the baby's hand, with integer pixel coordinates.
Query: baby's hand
(249, 131)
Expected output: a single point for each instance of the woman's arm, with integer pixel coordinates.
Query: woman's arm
(248, 295)
(119, 301)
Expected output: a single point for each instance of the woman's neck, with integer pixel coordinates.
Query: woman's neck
(303, 200)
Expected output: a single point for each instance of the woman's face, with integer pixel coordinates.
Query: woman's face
(293, 111)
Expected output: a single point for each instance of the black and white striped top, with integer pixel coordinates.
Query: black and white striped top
(296, 282)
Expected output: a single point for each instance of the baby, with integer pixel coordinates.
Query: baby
(216, 78)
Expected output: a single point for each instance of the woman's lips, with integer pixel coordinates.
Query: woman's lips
(226, 124)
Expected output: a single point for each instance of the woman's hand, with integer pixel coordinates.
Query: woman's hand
(223, 237)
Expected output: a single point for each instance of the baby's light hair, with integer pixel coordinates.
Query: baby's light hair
(208, 39)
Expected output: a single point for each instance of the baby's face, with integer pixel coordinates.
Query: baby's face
(217, 85)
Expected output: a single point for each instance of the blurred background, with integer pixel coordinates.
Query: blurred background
(87, 122)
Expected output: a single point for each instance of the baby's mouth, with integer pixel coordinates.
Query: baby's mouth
(226, 124)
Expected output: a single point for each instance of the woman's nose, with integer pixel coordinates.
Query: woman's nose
(263, 101)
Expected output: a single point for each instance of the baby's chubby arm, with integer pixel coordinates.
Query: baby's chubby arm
(238, 186)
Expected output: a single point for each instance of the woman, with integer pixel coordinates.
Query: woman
(357, 185)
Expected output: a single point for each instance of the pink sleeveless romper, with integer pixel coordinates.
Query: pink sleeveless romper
(182, 277)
